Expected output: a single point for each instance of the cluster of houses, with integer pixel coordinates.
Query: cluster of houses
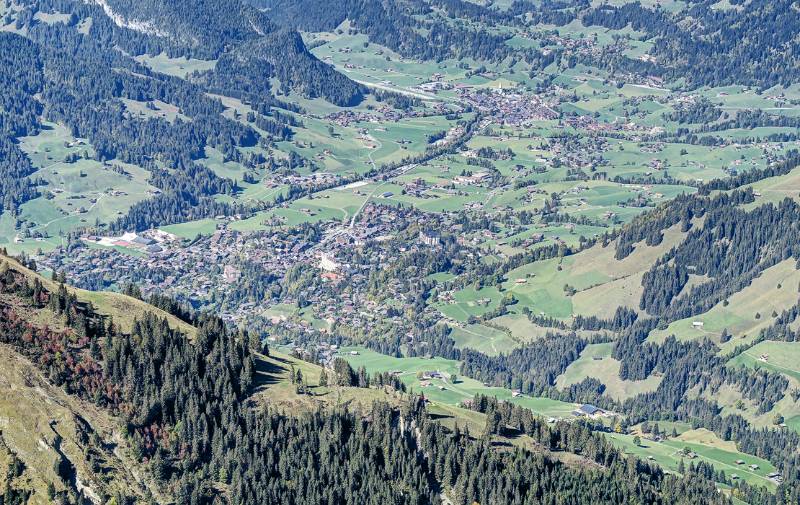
(209, 271)
(382, 114)
(508, 106)
(317, 180)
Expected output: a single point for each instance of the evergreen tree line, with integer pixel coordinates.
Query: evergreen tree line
(20, 79)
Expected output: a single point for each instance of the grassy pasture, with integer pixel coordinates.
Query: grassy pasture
(274, 386)
(602, 282)
(75, 194)
(739, 317)
(178, 67)
(162, 110)
(452, 393)
(471, 302)
(775, 189)
(782, 357)
(191, 229)
(523, 331)
(596, 361)
(668, 455)
(485, 339)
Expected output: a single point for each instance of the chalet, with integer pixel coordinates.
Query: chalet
(590, 410)
(331, 276)
(775, 477)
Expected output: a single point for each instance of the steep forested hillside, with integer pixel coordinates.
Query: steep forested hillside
(210, 26)
(749, 43)
(406, 27)
(240, 36)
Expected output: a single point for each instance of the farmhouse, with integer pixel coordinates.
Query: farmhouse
(589, 410)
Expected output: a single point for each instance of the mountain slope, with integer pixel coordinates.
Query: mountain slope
(233, 31)
(212, 25)
(63, 445)
(187, 433)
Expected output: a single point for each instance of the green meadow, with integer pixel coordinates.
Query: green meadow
(445, 390)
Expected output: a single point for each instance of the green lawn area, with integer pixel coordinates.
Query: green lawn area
(444, 390)
(192, 229)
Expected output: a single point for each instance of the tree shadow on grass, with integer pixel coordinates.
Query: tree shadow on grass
(269, 373)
